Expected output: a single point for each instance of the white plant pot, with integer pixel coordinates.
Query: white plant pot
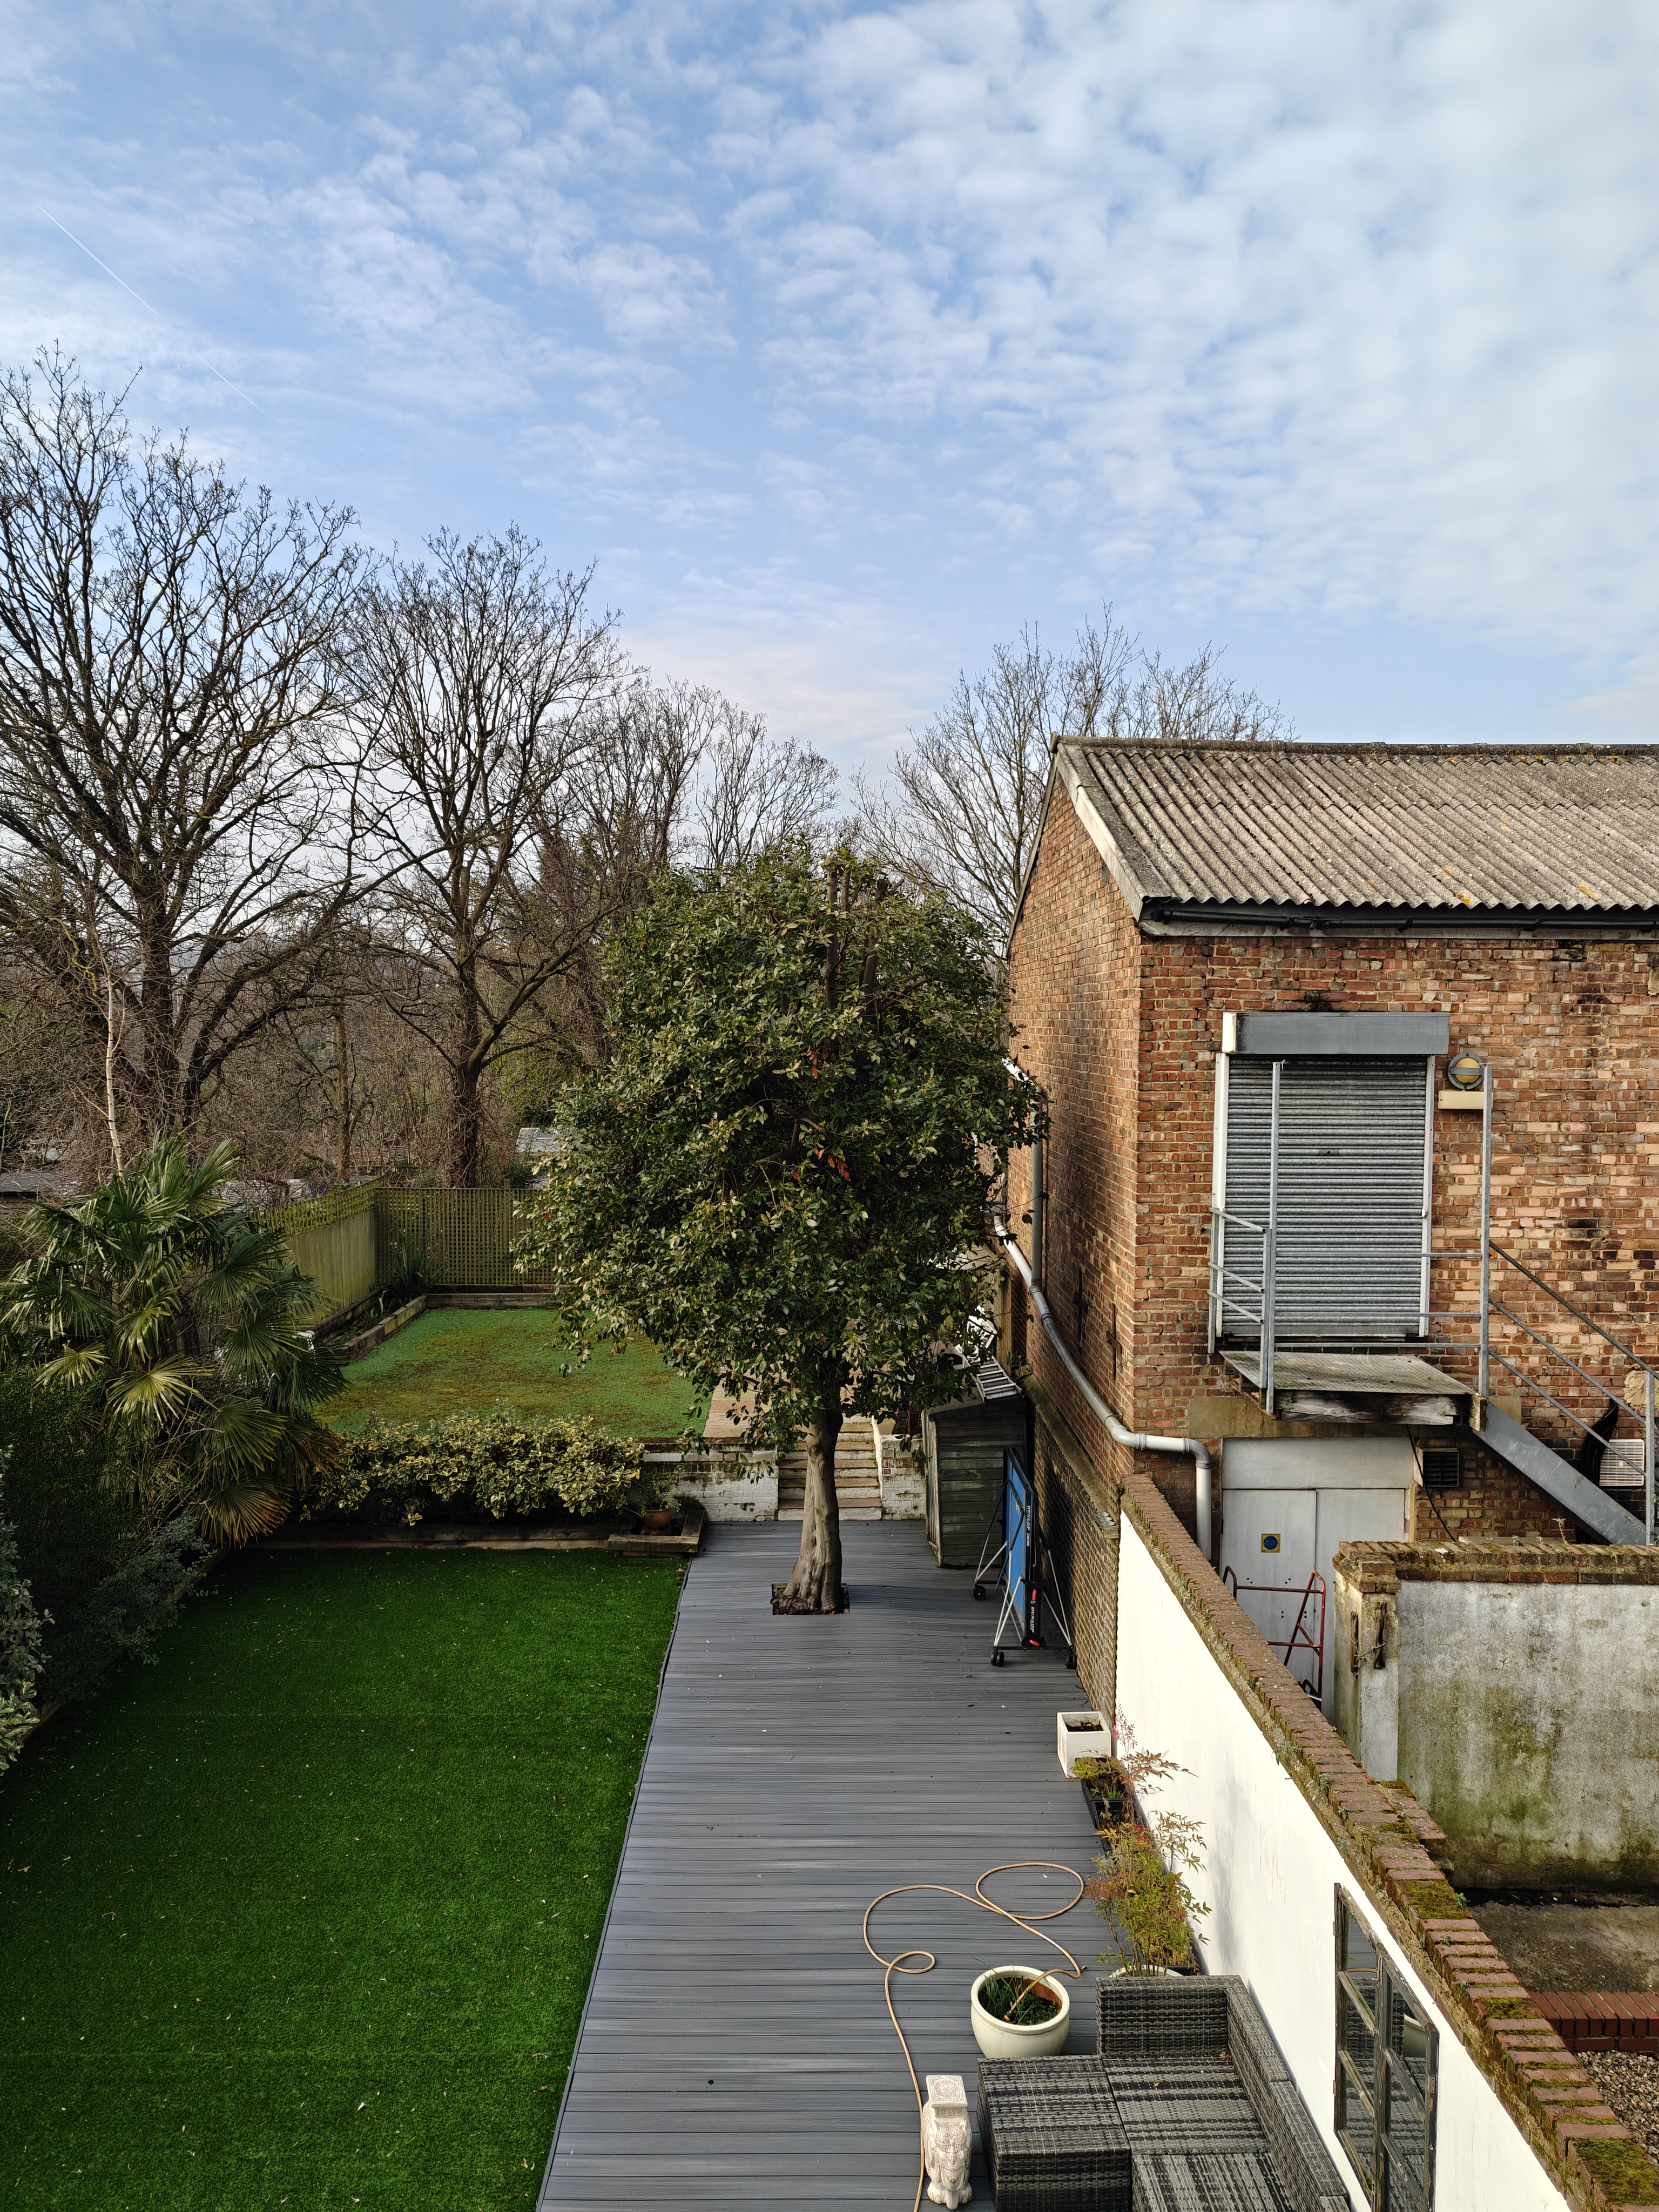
(999, 2038)
(1081, 1735)
(1145, 1973)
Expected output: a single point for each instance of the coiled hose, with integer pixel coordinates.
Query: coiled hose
(901, 1964)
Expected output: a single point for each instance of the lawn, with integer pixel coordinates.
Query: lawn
(305, 1914)
(457, 1361)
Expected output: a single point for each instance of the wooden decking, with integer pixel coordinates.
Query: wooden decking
(736, 2047)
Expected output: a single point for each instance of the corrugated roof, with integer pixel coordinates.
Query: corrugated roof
(1482, 828)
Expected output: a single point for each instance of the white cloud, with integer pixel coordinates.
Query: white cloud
(1337, 308)
(1267, 308)
(1629, 709)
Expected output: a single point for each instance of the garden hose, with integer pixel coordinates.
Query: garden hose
(900, 1966)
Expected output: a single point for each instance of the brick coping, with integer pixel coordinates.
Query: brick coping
(1376, 1567)
(1601, 2019)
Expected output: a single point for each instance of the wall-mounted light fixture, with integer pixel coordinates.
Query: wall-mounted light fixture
(1465, 1073)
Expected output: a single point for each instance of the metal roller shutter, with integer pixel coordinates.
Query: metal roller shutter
(1350, 1192)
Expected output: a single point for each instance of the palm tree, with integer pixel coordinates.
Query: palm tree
(188, 1319)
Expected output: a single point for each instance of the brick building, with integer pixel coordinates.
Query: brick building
(1253, 976)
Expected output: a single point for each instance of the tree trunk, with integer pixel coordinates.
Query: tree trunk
(815, 1586)
(343, 1077)
(464, 1135)
(165, 1105)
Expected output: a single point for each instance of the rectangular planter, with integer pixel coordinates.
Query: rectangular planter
(1082, 1735)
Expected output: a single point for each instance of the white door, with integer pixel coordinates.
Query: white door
(1351, 1516)
(1268, 1545)
(1349, 1487)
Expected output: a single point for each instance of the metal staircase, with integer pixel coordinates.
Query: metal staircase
(1518, 1346)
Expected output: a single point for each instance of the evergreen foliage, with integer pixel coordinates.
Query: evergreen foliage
(492, 1463)
(104, 1580)
(781, 1172)
(186, 1321)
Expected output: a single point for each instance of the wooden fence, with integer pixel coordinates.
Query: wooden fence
(333, 1241)
(461, 1239)
(358, 1241)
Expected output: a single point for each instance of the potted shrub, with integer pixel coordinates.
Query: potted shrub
(1020, 2012)
(654, 1500)
(1148, 1900)
(1107, 1788)
(1142, 1879)
(1110, 1782)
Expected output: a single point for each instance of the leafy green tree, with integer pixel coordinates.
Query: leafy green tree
(780, 1171)
(189, 1320)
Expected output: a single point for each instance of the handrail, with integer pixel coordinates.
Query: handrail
(1607, 1338)
(1594, 1381)
(1225, 1306)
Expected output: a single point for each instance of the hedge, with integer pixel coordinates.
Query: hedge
(405, 1471)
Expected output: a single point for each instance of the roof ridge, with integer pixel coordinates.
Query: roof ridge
(1255, 748)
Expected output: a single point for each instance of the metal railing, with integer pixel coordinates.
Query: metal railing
(1232, 1289)
(1486, 1352)
(1266, 1284)
(1298, 1639)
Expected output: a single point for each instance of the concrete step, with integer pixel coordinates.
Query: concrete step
(858, 1478)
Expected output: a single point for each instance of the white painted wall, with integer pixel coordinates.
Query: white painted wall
(1529, 1727)
(1270, 1882)
(903, 1480)
(729, 1485)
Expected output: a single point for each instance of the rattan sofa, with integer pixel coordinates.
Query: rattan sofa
(1186, 2107)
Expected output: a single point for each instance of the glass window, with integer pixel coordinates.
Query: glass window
(1385, 2072)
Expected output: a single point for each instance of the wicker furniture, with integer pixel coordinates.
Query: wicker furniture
(1188, 2107)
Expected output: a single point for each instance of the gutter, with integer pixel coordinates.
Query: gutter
(1136, 1439)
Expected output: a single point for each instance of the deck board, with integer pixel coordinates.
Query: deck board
(735, 2045)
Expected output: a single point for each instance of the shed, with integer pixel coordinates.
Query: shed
(963, 1444)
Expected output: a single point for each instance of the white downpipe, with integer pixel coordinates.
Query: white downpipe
(1137, 1439)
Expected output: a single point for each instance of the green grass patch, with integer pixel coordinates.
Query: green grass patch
(457, 1361)
(305, 1914)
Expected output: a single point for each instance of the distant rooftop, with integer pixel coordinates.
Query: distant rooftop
(1434, 829)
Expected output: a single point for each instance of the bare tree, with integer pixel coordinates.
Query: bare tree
(482, 673)
(678, 775)
(170, 690)
(756, 792)
(961, 810)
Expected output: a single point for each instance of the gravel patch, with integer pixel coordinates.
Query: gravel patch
(1630, 2082)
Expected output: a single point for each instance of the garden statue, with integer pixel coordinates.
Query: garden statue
(947, 2145)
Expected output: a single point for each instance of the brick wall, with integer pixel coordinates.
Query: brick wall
(1079, 1512)
(1122, 1030)
(1491, 1500)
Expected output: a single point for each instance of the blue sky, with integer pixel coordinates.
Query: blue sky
(847, 341)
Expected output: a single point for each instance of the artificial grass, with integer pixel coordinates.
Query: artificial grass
(458, 1361)
(305, 1914)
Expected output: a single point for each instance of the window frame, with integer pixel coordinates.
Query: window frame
(1387, 2082)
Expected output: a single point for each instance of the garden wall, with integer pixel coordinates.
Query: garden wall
(730, 1484)
(1288, 1815)
(1515, 1689)
(1274, 1867)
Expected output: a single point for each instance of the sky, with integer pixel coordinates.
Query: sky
(848, 342)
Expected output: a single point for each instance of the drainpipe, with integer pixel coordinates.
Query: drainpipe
(1137, 1439)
